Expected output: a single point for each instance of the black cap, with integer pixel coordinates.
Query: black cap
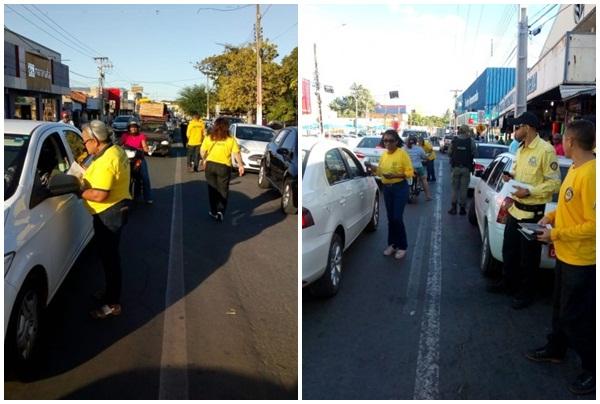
(527, 118)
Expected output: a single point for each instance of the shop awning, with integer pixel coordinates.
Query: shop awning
(571, 91)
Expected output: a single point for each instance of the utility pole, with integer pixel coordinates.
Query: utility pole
(318, 91)
(207, 99)
(455, 116)
(103, 63)
(521, 86)
(258, 68)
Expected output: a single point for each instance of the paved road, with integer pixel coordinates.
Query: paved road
(424, 327)
(210, 309)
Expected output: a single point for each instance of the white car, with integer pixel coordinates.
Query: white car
(369, 149)
(339, 201)
(485, 153)
(489, 210)
(253, 140)
(45, 228)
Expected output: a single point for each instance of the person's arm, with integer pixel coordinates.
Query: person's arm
(238, 159)
(95, 195)
(551, 173)
(145, 145)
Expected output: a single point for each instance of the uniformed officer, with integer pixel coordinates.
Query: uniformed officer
(536, 167)
(461, 153)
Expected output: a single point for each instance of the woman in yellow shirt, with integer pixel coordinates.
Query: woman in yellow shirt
(574, 238)
(216, 150)
(394, 168)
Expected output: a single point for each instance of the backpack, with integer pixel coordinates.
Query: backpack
(462, 153)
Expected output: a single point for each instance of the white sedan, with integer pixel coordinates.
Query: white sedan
(45, 227)
(339, 201)
(253, 140)
(485, 153)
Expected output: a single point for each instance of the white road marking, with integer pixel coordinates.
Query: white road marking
(428, 370)
(174, 383)
(412, 289)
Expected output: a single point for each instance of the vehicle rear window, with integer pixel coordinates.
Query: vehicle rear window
(489, 152)
(370, 142)
(258, 134)
(122, 119)
(15, 150)
(416, 133)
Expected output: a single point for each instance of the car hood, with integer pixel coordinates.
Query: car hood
(253, 145)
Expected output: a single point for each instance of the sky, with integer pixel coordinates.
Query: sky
(422, 51)
(154, 45)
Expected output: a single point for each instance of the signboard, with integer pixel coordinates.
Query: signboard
(481, 116)
(306, 108)
(39, 76)
(79, 97)
(137, 89)
(390, 109)
(328, 89)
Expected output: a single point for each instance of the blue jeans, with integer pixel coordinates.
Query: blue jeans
(430, 170)
(145, 185)
(396, 197)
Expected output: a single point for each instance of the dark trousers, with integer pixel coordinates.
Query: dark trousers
(430, 170)
(574, 313)
(193, 156)
(396, 197)
(521, 258)
(217, 177)
(107, 233)
(142, 183)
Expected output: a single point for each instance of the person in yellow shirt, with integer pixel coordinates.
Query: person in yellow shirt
(195, 133)
(574, 237)
(394, 168)
(106, 196)
(536, 167)
(217, 149)
(430, 165)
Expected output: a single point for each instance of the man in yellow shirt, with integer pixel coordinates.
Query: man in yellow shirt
(106, 196)
(195, 133)
(574, 237)
(536, 167)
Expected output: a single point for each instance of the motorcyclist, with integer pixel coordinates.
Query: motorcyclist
(134, 139)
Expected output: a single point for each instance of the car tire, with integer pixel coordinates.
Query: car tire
(329, 284)
(471, 214)
(263, 182)
(24, 327)
(289, 203)
(487, 263)
(374, 222)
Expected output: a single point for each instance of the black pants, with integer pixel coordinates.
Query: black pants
(430, 170)
(193, 156)
(107, 233)
(521, 258)
(574, 313)
(217, 177)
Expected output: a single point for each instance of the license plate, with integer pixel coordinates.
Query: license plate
(551, 251)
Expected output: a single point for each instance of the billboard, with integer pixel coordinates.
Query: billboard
(39, 76)
(306, 108)
(390, 109)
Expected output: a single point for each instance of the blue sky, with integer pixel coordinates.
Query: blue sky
(423, 51)
(148, 43)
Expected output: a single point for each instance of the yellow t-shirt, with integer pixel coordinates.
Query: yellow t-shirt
(195, 132)
(574, 232)
(397, 162)
(109, 171)
(428, 150)
(220, 151)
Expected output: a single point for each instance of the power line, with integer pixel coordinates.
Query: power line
(555, 15)
(221, 9)
(266, 11)
(542, 16)
(81, 75)
(285, 32)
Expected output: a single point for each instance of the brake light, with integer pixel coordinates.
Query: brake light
(360, 155)
(478, 167)
(307, 219)
(503, 212)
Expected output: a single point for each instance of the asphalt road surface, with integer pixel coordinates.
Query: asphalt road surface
(209, 309)
(424, 327)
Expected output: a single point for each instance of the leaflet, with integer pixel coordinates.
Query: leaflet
(76, 170)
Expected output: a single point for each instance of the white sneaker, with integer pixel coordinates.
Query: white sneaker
(400, 254)
(389, 250)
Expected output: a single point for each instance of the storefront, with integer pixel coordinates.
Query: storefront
(34, 79)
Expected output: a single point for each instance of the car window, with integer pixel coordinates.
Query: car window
(252, 133)
(122, 118)
(52, 160)
(496, 174)
(289, 142)
(335, 169)
(489, 152)
(76, 145)
(354, 166)
(369, 142)
(489, 169)
(15, 151)
(280, 136)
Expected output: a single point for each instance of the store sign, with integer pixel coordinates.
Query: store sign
(79, 97)
(306, 107)
(39, 77)
(532, 83)
(472, 100)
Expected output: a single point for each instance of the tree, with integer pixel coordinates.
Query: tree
(193, 100)
(346, 106)
(285, 108)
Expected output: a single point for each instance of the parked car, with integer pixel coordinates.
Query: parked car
(489, 210)
(339, 201)
(158, 136)
(45, 226)
(445, 143)
(485, 153)
(253, 141)
(279, 168)
(413, 132)
(369, 149)
(435, 143)
(119, 124)
(232, 119)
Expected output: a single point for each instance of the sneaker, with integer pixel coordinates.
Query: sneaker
(219, 217)
(106, 311)
(543, 355)
(584, 384)
(389, 250)
(213, 215)
(400, 254)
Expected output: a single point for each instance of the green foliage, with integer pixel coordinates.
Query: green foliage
(417, 119)
(193, 100)
(285, 106)
(346, 106)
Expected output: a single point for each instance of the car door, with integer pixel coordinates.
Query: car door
(481, 193)
(493, 186)
(361, 186)
(275, 160)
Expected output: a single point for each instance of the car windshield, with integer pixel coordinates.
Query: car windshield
(122, 119)
(415, 133)
(489, 152)
(258, 134)
(15, 150)
(149, 127)
(369, 142)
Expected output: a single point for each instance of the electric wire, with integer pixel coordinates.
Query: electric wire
(223, 10)
(542, 16)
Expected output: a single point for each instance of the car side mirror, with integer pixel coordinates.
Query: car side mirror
(62, 184)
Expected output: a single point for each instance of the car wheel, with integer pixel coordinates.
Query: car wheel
(329, 284)
(488, 264)
(288, 199)
(471, 214)
(372, 226)
(262, 177)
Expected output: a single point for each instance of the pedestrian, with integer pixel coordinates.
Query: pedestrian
(536, 167)
(430, 165)
(217, 149)
(134, 139)
(417, 157)
(66, 118)
(573, 234)
(461, 152)
(106, 196)
(183, 132)
(558, 144)
(395, 168)
(195, 135)
(514, 145)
